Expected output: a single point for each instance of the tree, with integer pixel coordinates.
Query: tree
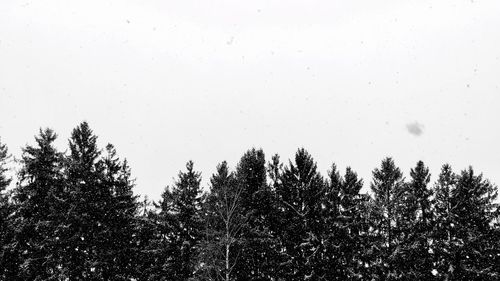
(6, 258)
(344, 236)
(387, 186)
(181, 216)
(474, 248)
(100, 212)
(224, 221)
(87, 200)
(442, 231)
(37, 204)
(354, 225)
(299, 195)
(120, 252)
(465, 238)
(333, 264)
(256, 246)
(414, 255)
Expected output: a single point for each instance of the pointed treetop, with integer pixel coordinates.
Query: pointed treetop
(352, 184)
(420, 178)
(45, 136)
(335, 180)
(305, 163)
(252, 166)
(388, 172)
(222, 173)
(83, 144)
(420, 173)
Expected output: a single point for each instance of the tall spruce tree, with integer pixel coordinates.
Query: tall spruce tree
(387, 186)
(334, 234)
(345, 230)
(6, 258)
(300, 197)
(257, 247)
(87, 200)
(99, 220)
(120, 253)
(87, 241)
(414, 255)
(181, 214)
(37, 216)
(354, 225)
(475, 251)
(442, 231)
(465, 239)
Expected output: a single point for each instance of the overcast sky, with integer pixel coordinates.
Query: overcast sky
(168, 81)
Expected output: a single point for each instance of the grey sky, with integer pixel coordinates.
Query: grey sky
(169, 81)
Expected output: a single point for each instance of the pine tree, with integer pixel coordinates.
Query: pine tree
(7, 261)
(257, 247)
(355, 225)
(442, 230)
(345, 227)
(299, 195)
(87, 222)
(465, 239)
(100, 212)
(37, 205)
(414, 253)
(119, 254)
(181, 216)
(387, 186)
(474, 251)
(335, 233)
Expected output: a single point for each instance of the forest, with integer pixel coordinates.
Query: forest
(74, 216)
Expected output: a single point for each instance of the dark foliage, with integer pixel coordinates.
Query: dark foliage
(74, 216)
(8, 261)
(181, 227)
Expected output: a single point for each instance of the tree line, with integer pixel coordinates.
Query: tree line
(74, 216)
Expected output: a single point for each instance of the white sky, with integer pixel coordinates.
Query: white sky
(169, 81)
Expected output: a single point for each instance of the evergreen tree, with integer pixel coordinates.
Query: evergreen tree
(387, 187)
(466, 241)
(335, 233)
(119, 255)
(181, 214)
(6, 259)
(300, 194)
(345, 227)
(354, 225)
(444, 217)
(86, 199)
(100, 209)
(414, 255)
(37, 214)
(474, 251)
(257, 247)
